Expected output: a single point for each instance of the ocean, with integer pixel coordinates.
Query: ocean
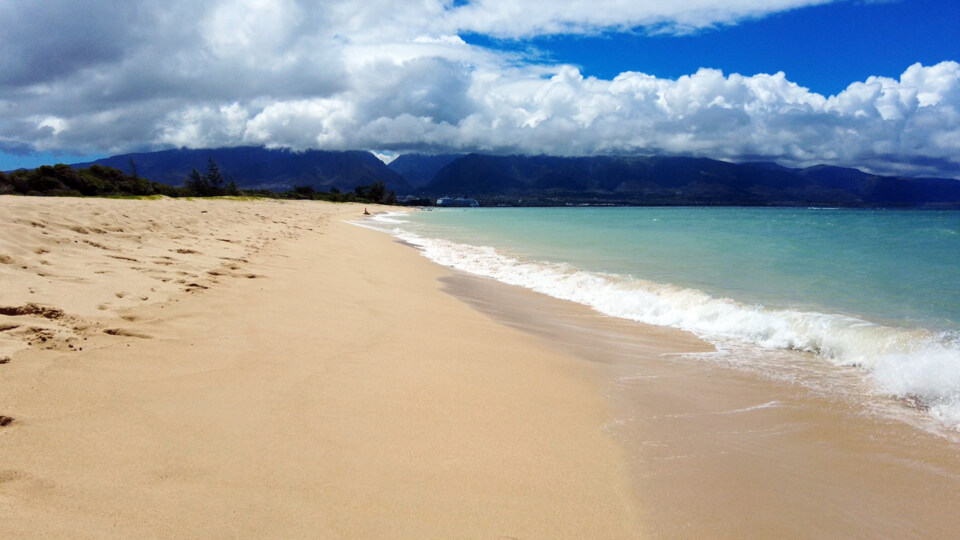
(875, 293)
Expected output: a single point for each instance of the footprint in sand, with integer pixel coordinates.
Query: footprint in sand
(46, 312)
(97, 245)
(126, 333)
(118, 257)
(26, 481)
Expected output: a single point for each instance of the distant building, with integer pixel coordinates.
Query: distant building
(458, 201)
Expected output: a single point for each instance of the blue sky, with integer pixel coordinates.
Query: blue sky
(867, 84)
(823, 48)
(31, 160)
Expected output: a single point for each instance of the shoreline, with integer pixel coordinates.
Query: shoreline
(722, 453)
(326, 386)
(312, 377)
(750, 297)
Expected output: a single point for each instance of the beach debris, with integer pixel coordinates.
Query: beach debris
(5, 420)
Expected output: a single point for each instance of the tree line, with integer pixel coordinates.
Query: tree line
(97, 180)
(101, 181)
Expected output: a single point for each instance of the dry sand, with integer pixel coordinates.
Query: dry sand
(262, 369)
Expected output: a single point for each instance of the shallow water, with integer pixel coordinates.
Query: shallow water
(723, 453)
(875, 292)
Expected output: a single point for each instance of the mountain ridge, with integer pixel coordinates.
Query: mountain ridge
(552, 180)
(254, 167)
(669, 180)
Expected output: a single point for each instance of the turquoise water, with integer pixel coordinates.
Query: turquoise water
(900, 267)
(877, 289)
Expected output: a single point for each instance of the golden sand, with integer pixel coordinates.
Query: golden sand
(217, 368)
(264, 369)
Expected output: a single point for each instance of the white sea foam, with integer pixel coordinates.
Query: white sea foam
(916, 365)
(389, 217)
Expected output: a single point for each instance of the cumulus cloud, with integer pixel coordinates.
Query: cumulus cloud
(339, 74)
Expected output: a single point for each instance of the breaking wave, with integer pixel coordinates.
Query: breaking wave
(920, 366)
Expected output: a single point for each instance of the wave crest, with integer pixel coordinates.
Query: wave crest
(916, 365)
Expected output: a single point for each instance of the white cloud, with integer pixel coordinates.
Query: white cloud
(205, 126)
(253, 28)
(54, 124)
(386, 157)
(340, 74)
(525, 18)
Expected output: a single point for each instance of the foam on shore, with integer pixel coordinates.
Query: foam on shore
(915, 365)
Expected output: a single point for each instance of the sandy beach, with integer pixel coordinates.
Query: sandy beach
(228, 368)
(198, 368)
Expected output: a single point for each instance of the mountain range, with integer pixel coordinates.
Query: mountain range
(662, 180)
(552, 180)
(261, 168)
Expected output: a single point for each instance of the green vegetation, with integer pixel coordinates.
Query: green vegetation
(98, 181)
(62, 180)
(210, 184)
(376, 192)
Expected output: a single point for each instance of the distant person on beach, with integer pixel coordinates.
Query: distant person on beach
(365, 212)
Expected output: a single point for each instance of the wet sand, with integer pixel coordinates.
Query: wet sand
(719, 453)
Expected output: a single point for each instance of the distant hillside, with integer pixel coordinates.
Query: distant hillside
(419, 169)
(679, 181)
(541, 180)
(260, 168)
